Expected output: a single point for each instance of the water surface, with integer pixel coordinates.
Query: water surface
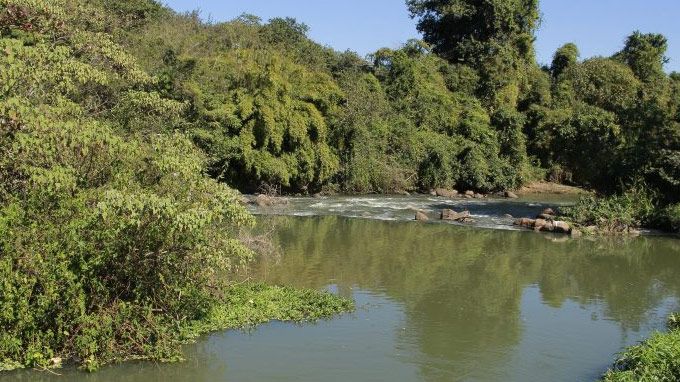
(437, 302)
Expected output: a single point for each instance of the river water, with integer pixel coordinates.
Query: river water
(436, 301)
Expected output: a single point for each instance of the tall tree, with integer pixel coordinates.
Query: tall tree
(565, 57)
(645, 54)
(495, 37)
(467, 30)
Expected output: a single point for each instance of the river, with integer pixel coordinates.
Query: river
(436, 301)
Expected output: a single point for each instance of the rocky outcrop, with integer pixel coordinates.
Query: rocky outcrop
(546, 225)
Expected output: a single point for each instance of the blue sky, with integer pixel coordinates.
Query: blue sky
(598, 27)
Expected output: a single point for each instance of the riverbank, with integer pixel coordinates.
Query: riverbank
(240, 306)
(656, 359)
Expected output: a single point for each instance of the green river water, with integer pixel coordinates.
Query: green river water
(436, 302)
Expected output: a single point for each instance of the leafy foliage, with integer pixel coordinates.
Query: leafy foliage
(113, 240)
(655, 359)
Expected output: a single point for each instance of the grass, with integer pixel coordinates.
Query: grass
(257, 303)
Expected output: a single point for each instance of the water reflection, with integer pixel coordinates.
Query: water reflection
(462, 288)
(439, 303)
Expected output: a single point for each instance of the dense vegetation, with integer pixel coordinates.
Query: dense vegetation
(125, 128)
(467, 108)
(656, 359)
(114, 243)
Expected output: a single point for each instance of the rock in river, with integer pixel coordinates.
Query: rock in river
(510, 194)
(421, 217)
(453, 215)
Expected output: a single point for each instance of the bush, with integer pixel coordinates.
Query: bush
(632, 209)
(114, 243)
(656, 359)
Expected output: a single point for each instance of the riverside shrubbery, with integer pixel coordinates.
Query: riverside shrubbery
(114, 243)
(619, 213)
(656, 359)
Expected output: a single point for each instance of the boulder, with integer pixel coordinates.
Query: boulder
(524, 222)
(446, 193)
(480, 196)
(470, 193)
(547, 227)
(466, 220)
(548, 211)
(365, 214)
(575, 233)
(538, 223)
(404, 193)
(561, 227)
(421, 217)
(510, 194)
(453, 215)
(433, 193)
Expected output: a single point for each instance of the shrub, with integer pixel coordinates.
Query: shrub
(656, 359)
(632, 209)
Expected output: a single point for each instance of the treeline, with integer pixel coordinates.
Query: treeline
(466, 108)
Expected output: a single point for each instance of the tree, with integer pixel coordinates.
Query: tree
(645, 54)
(565, 57)
(469, 30)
